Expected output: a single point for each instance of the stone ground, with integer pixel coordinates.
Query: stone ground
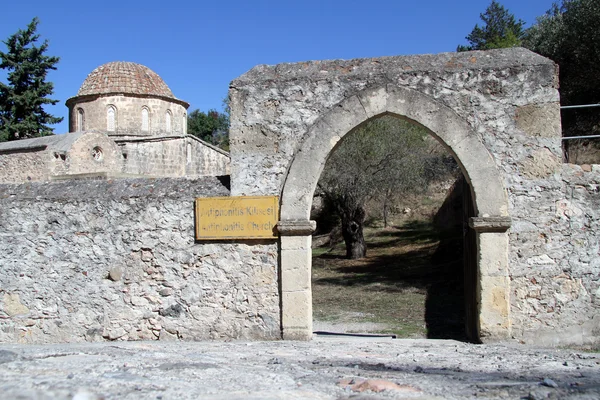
(326, 368)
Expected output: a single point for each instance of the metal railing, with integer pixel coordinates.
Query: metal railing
(565, 147)
(580, 106)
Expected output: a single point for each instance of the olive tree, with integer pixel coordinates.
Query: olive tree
(384, 158)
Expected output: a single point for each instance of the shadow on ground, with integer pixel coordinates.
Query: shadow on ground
(435, 266)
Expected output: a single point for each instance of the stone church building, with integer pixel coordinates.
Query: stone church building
(124, 121)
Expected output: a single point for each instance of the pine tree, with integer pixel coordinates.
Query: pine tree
(500, 30)
(22, 114)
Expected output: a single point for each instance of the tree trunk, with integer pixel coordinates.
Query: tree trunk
(352, 231)
(385, 207)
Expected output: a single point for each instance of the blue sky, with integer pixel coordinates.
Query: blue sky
(198, 47)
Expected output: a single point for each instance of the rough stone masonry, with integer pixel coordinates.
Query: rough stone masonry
(498, 113)
(95, 260)
(116, 260)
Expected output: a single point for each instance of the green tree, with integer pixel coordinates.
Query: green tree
(212, 127)
(568, 34)
(22, 100)
(384, 158)
(500, 30)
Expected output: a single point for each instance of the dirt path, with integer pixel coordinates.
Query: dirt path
(325, 368)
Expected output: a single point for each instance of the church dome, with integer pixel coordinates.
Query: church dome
(125, 78)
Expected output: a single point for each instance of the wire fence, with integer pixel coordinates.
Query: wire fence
(575, 107)
(566, 139)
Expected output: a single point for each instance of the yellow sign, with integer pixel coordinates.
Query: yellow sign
(236, 217)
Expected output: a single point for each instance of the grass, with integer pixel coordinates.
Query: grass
(399, 285)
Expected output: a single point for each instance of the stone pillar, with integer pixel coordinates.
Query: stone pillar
(296, 296)
(494, 282)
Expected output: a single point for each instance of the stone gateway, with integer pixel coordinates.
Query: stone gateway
(108, 260)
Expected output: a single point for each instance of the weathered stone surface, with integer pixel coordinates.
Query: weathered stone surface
(12, 305)
(117, 260)
(331, 368)
(555, 265)
(89, 154)
(539, 120)
(115, 273)
(497, 113)
(541, 164)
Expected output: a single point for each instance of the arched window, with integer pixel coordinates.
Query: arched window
(111, 117)
(145, 119)
(168, 124)
(184, 124)
(79, 124)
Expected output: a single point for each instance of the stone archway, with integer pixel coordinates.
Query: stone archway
(478, 166)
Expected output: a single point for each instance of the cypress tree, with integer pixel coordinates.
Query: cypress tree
(500, 30)
(22, 114)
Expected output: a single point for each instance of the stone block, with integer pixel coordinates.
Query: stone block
(295, 270)
(541, 120)
(297, 310)
(296, 242)
(12, 305)
(493, 253)
(494, 312)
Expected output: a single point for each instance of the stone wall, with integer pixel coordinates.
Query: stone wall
(40, 159)
(91, 153)
(94, 260)
(555, 258)
(169, 156)
(162, 157)
(504, 100)
(117, 260)
(24, 166)
(204, 159)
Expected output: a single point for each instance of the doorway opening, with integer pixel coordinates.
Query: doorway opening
(390, 253)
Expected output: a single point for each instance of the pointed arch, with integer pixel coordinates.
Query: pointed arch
(145, 119)
(477, 164)
(80, 124)
(111, 118)
(168, 121)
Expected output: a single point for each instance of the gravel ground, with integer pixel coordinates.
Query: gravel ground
(325, 368)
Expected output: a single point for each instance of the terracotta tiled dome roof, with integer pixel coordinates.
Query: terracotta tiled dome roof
(124, 77)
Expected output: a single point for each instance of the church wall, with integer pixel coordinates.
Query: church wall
(92, 153)
(173, 157)
(24, 166)
(154, 158)
(129, 115)
(117, 260)
(202, 160)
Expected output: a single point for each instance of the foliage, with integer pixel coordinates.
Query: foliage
(383, 158)
(22, 113)
(500, 30)
(212, 127)
(569, 35)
